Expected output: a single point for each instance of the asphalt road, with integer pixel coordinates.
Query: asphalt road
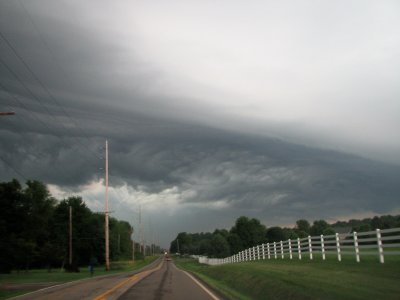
(110, 287)
(160, 280)
(168, 283)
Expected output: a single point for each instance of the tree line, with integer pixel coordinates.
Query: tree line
(34, 230)
(248, 232)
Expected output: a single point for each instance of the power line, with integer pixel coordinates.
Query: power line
(37, 155)
(12, 168)
(43, 40)
(41, 84)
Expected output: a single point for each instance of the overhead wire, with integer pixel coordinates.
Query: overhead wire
(42, 86)
(44, 42)
(33, 115)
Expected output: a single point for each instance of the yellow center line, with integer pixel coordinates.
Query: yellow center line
(131, 279)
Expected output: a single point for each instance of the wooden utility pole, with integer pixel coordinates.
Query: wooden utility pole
(70, 236)
(106, 215)
(140, 230)
(119, 243)
(133, 245)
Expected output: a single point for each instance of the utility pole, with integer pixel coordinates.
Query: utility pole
(70, 236)
(140, 230)
(119, 243)
(106, 215)
(133, 245)
(177, 241)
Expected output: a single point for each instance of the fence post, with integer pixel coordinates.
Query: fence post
(299, 247)
(380, 246)
(275, 250)
(322, 247)
(310, 247)
(356, 248)
(269, 253)
(290, 249)
(339, 256)
(263, 250)
(249, 253)
(282, 250)
(254, 253)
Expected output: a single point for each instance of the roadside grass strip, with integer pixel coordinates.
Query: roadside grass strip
(305, 279)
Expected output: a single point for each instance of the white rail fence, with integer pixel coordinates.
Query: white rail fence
(377, 242)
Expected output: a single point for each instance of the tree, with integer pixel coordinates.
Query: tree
(183, 241)
(319, 227)
(11, 223)
(250, 231)
(235, 243)
(303, 225)
(275, 234)
(219, 246)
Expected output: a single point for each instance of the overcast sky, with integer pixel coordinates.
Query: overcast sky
(278, 110)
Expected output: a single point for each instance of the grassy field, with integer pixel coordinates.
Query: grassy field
(23, 282)
(305, 279)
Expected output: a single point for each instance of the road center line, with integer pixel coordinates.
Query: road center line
(131, 279)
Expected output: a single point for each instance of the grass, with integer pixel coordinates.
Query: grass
(305, 279)
(27, 280)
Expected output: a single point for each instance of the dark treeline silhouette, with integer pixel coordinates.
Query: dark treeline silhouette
(250, 232)
(34, 230)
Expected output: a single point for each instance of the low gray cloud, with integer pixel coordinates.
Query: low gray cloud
(203, 127)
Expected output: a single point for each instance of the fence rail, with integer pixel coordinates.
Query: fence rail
(357, 244)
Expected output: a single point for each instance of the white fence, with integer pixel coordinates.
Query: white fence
(378, 242)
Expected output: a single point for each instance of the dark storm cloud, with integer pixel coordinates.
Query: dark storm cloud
(163, 147)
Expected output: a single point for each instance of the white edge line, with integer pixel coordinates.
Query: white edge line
(76, 282)
(202, 286)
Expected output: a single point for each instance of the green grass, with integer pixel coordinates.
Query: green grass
(305, 279)
(58, 276)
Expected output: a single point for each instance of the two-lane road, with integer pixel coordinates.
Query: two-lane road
(168, 283)
(161, 280)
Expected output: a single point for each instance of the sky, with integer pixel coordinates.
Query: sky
(278, 110)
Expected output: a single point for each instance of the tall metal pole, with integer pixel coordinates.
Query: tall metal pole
(70, 236)
(106, 215)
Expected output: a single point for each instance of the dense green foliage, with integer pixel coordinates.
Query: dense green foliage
(34, 230)
(250, 232)
(302, 279)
